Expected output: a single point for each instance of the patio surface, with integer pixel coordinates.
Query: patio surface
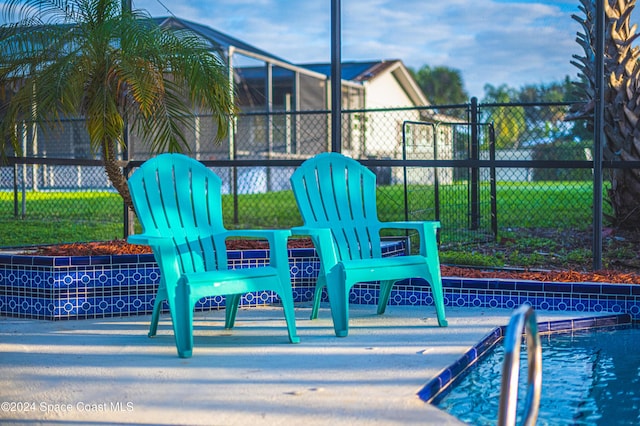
(107, 371)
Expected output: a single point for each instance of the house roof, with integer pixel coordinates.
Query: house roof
(351, 71)
(354, 71)
(367, 71)
(216, 38)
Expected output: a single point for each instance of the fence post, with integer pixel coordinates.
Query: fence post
(598, 137)
(336, 77)
(475, 170)
(129, 214)
(15, 190)
(493, 181)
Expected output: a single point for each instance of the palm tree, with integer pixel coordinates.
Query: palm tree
(112, 66)
(621, 101)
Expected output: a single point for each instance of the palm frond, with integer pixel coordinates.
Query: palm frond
(61, 58)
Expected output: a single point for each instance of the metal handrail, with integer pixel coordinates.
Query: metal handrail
(523, 317)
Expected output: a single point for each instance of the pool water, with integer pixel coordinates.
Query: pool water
(588, 378)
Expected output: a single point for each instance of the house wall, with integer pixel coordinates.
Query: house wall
(509, 174)
(382, 132)
(427, 142)
(385, 92)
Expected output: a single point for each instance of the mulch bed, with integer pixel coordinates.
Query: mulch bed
(604, 276)
(116, 247)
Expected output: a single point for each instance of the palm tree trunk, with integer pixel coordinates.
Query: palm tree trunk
(621, 97)
(621, 102)
(624, 196)
(115, 173)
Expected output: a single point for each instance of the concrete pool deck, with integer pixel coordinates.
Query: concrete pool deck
(107, 371)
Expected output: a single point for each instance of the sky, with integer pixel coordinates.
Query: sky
(512, 42)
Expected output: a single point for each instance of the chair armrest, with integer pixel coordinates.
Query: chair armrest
(165, 254)
(426, 230)
(277, 239)
(266, 234)
(417, 225)
(148, 240)
(323, 242)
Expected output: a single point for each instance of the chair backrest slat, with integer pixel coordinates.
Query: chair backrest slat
(337, 192)
(181, 200)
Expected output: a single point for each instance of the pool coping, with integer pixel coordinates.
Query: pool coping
(443, 382)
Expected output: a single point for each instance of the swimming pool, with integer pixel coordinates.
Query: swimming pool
(589, 377)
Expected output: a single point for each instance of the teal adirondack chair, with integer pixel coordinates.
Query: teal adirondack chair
(336, 196)
(178, 202)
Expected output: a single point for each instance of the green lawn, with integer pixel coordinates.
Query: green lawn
(523, 208)
(55, 217)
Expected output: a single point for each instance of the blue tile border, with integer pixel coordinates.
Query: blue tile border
(53, 288)
(450, 375)
(79, 287)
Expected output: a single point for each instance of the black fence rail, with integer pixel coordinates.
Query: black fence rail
(490, 173)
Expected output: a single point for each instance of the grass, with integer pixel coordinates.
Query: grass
(522, 208)
(54, 217)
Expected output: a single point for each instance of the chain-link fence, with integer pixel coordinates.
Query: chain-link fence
(489, 173)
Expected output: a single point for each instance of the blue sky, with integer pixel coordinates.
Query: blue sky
(513, 42)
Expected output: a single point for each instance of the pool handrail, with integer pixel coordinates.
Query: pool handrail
(522, 321)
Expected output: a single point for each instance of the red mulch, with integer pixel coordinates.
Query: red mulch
(122, 247)
(604, 276)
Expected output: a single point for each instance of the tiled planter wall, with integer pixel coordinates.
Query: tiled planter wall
(581, 297)
(52, 288)
(76, 287)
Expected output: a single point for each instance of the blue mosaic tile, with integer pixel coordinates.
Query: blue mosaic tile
(303, 252)
(453, 282)
(436, 388)
(43, 282)
(555, 287)
(61, 261)
(125, 259)
(414, 282)
(21, 260)
(586, 288)
(83, 260)
(100, 260)
(430, 390)
(501, 285)
(448, 376)
(476, 283)
(619, 289)
(560, 326)
(528, 286)
(607, 321)
(42, 261)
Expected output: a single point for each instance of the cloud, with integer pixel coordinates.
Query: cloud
(513, 42)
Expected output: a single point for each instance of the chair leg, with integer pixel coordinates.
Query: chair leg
(339, 302)
(438, 301)
(231, 309)
(436, 291)
(289, 314)
(433, 265)
(317, 296)
(161, 296)
(182, 316)
(385, 292)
